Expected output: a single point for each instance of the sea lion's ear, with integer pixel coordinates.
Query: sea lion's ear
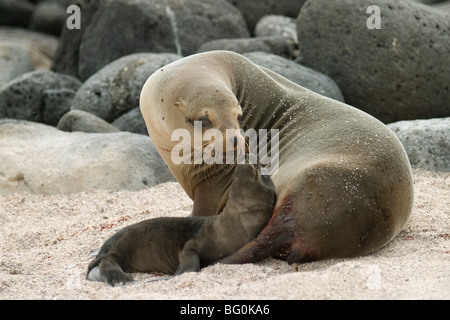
(180, 104)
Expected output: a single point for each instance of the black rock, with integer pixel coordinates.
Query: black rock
(253, 10)
(15, 12)
(67, 56)
(398, 72)
(57, 103)
(276, 45)
(273, 25)
(111, 29)
(49, 17)
(306, 77)
(131, 121)
(23, 98)
(115, 89)
(442, 6)
(429, 1)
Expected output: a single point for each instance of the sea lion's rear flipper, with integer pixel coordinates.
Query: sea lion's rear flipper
(189, 259)
(256, 250)
(112, 273)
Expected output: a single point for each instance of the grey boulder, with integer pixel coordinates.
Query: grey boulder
(57, 103)
(14, 61)
(306, 77)
(131, 121)
(276, 44)
(253, 10)
(427, 142)
(115, 89)
(398, 72)
(23, 98)
(78, 120)
(275, 25)
(40, 46)
(36, 158)
(15, 12)
(114, 28)
(442, 6)
(49, 17)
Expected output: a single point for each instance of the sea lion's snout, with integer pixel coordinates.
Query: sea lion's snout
(246, 172)
(252, 174)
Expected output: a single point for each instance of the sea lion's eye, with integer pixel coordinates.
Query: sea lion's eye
(206, 122)
(239, 118)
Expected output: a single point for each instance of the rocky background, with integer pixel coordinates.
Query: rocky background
(69, 116)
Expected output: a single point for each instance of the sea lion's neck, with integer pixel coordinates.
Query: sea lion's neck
(265, 97)
(210, 193)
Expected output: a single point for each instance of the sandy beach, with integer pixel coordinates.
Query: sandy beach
(46, 241)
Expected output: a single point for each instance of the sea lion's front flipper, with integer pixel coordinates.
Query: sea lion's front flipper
(189, 259)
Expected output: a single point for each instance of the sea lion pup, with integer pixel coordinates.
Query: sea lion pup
(179, 245)
(344, 182)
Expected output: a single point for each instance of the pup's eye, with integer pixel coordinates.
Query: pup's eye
(206, 123)
(239, 118)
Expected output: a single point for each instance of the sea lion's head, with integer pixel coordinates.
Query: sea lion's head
(254, 187)
(194, 119)
(212, 112)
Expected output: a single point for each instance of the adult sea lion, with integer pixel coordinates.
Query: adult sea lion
(344, 182)
(177, 245)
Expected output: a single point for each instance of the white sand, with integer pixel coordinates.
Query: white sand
(45, 241)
